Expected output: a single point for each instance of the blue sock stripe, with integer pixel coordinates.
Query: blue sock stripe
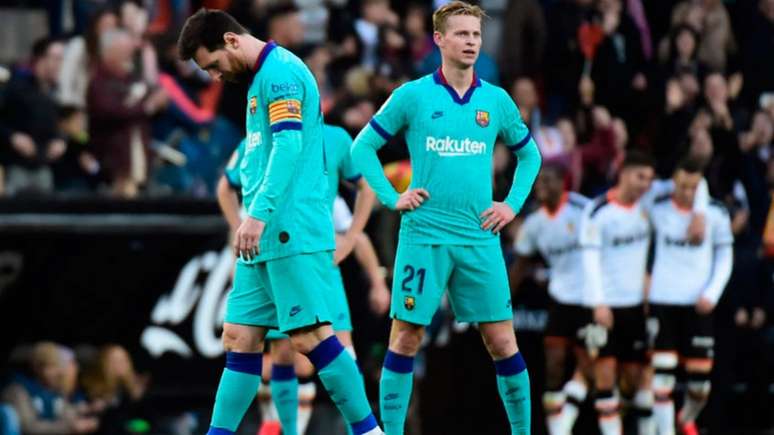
(364, 425)
(219, 431)
(325, 352)
(282, 372)
(398, 363)
(510, 366)
(250, 363)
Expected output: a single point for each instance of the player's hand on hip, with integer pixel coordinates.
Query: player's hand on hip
(603, 315)
(247, 238)
(497, 217)
(411, 199)
(696, 229)
(704, 306)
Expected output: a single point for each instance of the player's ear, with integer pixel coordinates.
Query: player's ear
(231, 40)
(437, 38)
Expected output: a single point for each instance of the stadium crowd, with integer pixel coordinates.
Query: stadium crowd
(101, 105)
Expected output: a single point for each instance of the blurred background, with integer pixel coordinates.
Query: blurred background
(114, 259)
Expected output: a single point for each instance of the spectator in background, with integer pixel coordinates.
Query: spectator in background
(709, 18)
(525, 95)
(420, 39)
(524, 40)
(120, 108)
(81, 56)
(38, 401)
(112, 380)
(374, 15)
(133, 18)
(284, 25)
(599, 153)
(718, 118)
(78, 169)
(28, 122)
(564, 60)
(682, 54)
(619, 65)
(757, 63)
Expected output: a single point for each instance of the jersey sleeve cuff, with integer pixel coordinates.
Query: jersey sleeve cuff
(520, 144)
(379, 129)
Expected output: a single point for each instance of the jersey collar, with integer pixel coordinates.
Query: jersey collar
(441, 80)
(559, 207)
(270, 45)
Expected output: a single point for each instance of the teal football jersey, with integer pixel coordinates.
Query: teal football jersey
(450, 142)
(231, 172)
(283, 169)
(338, 159)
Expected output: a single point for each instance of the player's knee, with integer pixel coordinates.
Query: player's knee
(604, 373)
(304, 342)
(282, 352)
(500, 344)
(237, 338)
(406, 341)
(699, 385)
(664, 365)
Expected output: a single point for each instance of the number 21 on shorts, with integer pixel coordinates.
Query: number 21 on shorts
(413, 277)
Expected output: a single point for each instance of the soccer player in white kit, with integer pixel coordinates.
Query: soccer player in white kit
(687, 281)
(552, 232)
(615, 236)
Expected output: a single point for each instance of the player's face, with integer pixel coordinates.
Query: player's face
(686, 184)
(223, 63)
(636, 180)
(549, 187)
(461, 42)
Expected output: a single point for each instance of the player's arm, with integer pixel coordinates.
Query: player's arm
(364, 204)
(591, 244)
(525, 247)
(722, 264)
(519, 140)
(390, 119)
(365, 254)
(285, 118)
(228, 186)
(228, 200)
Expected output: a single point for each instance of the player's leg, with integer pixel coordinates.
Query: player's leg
(307, 391)
(479, 292)
(664, 362)
(635, 372)
(248, 303)
(337, 369)
(269, 418)
(554, 398)
(303, 313)
(697, 348)
(576, 389)
(397, 380)
(284, 384)
(421, 273)
(512, 377)
(607, 401)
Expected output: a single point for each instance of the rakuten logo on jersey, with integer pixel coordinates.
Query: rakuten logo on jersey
(448, 147)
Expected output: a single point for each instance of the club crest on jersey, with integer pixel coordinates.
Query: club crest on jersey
(253, 105)
(409, 302)
(482, 118)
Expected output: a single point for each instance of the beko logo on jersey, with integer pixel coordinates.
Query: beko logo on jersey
(448, 147)
(628, 240)
(680, 243)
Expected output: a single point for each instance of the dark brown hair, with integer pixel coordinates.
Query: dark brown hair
(205, 29)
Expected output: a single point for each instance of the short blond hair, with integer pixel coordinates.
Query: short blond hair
(453, 8)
